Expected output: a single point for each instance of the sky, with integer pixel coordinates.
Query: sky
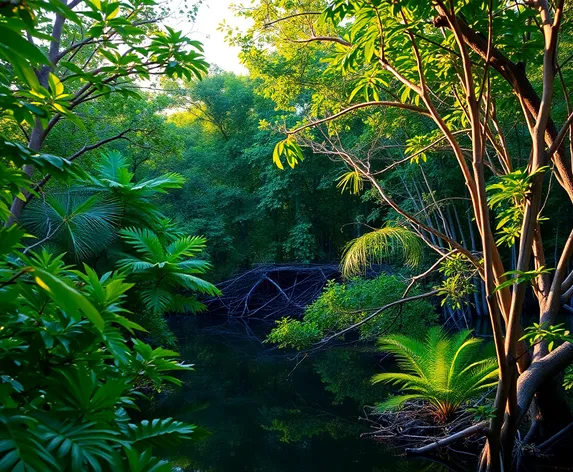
(217, 52)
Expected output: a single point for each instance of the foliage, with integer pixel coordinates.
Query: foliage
(111, 175)
(568, 380)
(457, 286)
(75, 220)
(551, 334)
(161, 269)
(290, 150)
(429, 101)
(249, 211)
(343, 304)
(509, 197)
(519, 276)
(73, 366)
(70, 375)
(444, 372)
(381, 245)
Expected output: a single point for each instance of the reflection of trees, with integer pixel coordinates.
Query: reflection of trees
(346, 373)
(264, 417)
(298, 424)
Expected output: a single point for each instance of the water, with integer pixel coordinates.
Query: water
(260, 411)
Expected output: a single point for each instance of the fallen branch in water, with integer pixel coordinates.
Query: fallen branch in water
(479, 428)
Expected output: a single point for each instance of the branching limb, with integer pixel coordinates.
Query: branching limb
(74, 156)
(352, 108)
(376, 313)
(479, 428)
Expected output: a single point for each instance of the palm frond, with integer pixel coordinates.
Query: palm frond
(395, 402)
(81, 223)
(146, 242)
(445, 372)
(134, 264)
(183, 304)
(187, 246)
(351, 180)
(111, 167)
(197, 284)
(164, 271)
(194, 266)
(160, 184)
(156, 299)
(379, 246)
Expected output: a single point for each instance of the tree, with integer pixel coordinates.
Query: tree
(94, 49)
(469, 70)
(248, 211)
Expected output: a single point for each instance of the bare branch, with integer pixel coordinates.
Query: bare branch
(480, 428)
(352, 108)
(294, 15)
(326, 39)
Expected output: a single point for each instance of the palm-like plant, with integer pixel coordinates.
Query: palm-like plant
(84, 219)
(162, 270)
(79, 222)
(112, 174)
(445, 372)
(380, 245)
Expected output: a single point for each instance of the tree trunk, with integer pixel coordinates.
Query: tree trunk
(35, 143)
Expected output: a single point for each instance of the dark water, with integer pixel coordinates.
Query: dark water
(260, 411)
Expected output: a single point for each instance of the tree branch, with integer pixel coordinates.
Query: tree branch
(480, 428)
(73, 157)
(352, 108)
(377, 312)
(294, 15)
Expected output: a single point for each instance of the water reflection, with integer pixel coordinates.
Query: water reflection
(260, 413)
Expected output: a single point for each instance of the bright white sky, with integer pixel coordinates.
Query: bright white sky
(211, 14)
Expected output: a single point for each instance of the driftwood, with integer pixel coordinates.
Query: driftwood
(413, 428)
(271, 291)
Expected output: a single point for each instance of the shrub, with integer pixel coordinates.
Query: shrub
(343, 304)
(70, 375)
(444, 372)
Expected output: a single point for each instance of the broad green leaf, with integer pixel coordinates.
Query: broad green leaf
(69, 299)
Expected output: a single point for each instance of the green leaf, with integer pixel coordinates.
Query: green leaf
(69, 299)
(17, 45)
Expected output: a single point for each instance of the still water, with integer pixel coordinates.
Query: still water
(260, 410)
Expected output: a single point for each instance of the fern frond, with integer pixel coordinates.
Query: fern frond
(145, 241)
(390, 242)
(397, 401)
(443, 371)
(187, 246)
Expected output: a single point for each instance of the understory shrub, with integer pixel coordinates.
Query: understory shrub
(72, 369)
(445, 372)
(341, 305)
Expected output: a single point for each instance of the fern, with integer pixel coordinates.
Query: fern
(381, 245)
(445, 372)
(162, 270)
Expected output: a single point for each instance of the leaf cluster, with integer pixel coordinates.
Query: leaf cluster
(443, 371)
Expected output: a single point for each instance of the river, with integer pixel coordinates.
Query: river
(259, 409)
